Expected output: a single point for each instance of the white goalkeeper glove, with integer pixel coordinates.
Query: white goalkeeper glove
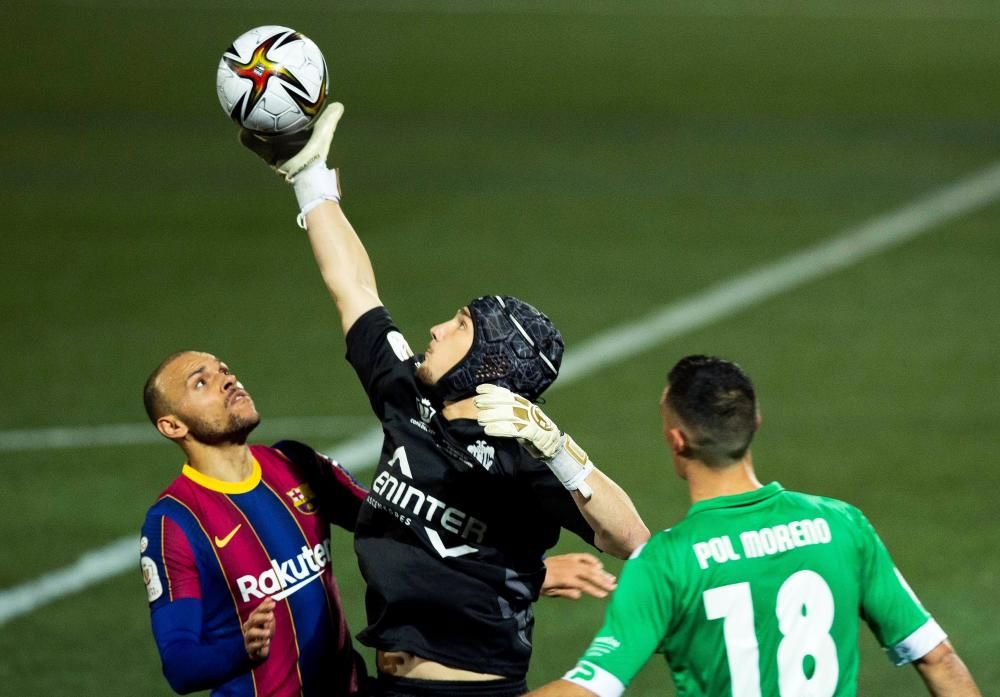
(301, 158)
(507, 415)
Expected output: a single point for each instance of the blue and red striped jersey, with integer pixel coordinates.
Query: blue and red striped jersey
(211, 551)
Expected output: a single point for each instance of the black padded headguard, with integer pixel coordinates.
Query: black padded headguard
(514, 346)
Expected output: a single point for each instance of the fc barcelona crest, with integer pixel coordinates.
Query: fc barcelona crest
(303, 498)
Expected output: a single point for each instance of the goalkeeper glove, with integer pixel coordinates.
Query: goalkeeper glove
(507, 415)
(290, 154)
(301, 159)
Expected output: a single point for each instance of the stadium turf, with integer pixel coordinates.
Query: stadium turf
(599, 160)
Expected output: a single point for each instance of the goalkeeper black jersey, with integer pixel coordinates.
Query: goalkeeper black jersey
(452, 535)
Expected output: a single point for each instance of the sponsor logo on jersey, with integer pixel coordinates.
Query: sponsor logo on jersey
(303, 498)
(221, 542)
(482, 451)
(390, 493)
(422, 505)
(286, 577)
(444, 551)
(151, 577)
(399, 346)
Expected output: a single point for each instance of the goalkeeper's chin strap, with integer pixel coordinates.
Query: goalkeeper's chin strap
(312, 186)
(572, 466)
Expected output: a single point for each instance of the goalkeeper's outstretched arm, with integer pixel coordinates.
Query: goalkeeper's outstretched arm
(343, 262)
(342, 258)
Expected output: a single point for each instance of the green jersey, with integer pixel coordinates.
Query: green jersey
(757, 594)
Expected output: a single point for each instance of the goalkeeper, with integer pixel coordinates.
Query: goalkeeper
(452, 535)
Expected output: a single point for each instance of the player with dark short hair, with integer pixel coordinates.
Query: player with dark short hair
(452, 535)
(235, 553)
(758, 590)
(716, 401)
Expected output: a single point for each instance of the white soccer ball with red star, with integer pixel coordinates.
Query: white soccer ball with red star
(272, 80)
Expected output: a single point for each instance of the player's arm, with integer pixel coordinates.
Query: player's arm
(575, 575)
(343, 262)
(340, 494)
(618, 528)
(342, 258)
(902, 625)
(945, 674)
(635, 622)
(609, 511)
(190, 663)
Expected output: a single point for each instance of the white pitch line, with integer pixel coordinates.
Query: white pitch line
(143, 433)
(612, 346)
(850, 247)
(121, 555)
(92, 568)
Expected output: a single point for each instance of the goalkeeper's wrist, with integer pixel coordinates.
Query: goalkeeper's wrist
(312, 186)
(572, 466)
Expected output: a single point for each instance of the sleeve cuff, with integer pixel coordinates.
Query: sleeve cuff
(596, 679)
(918, 644)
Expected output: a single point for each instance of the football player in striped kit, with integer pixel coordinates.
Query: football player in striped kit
(235, 553)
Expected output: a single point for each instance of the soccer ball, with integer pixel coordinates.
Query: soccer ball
(272, 80)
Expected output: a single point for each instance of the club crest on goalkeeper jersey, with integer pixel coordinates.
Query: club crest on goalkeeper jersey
(757, 594)
(211, 551)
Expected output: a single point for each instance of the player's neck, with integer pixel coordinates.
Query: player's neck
(227, 463)
(707, 483)
(462, 409)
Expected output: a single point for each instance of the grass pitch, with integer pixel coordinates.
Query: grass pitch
(597, 159)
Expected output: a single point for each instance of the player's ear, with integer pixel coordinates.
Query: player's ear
(757, 420)
(677, 441)
(171, 427)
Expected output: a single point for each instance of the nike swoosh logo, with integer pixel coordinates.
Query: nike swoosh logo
(220, 543)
